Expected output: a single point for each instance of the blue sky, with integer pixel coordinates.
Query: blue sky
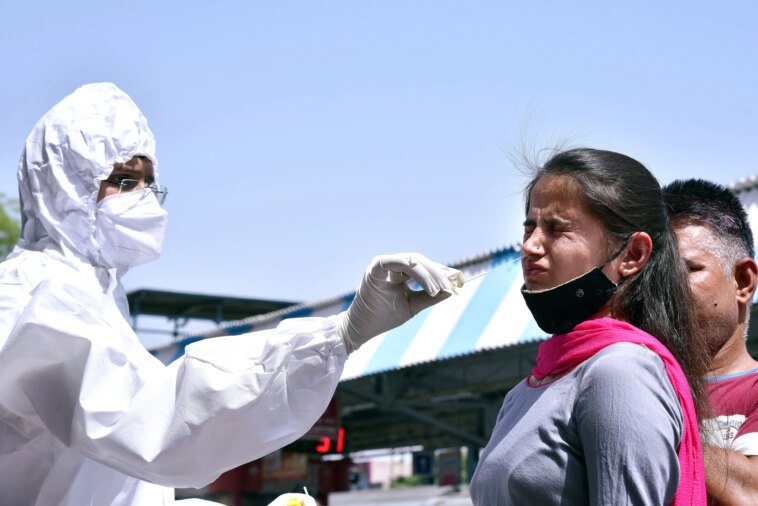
(300, 139)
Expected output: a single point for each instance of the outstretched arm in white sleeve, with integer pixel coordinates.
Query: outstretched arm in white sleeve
(72, 366)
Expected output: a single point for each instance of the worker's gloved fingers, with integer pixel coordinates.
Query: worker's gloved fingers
(432, 276)
(384, 266)
(418, 301)
(397, 278)
(454, 277)
(384, 301)
(435, 278)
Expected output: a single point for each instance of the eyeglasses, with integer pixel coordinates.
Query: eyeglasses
(131, 185)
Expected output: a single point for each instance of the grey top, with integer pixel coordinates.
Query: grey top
(606, 433)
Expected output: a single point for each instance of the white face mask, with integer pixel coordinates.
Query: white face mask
(129, 228)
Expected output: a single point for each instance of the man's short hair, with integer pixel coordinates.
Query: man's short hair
(700, 202)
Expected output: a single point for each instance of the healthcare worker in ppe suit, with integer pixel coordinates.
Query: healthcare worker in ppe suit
(87, 415)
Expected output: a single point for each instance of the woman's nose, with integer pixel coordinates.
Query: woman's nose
(533, 245)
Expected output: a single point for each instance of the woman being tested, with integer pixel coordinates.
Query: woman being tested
(87, 415)
(610, 412)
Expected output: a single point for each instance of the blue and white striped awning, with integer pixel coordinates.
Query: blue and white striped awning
(488, 313)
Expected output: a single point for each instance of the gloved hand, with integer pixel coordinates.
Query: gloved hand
(384, 301)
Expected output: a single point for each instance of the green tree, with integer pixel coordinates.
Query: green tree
(10, 228)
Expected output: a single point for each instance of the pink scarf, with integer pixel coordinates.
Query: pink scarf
(565, 351)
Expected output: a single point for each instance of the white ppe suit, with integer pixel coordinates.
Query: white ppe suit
(87, 415)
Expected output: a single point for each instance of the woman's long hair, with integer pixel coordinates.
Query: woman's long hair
(627, 198)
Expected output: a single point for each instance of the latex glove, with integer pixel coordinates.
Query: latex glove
(384, 301)
(293, 500)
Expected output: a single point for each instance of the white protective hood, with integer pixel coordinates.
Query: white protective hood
(69, 151)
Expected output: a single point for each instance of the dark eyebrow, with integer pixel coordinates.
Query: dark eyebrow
(149, 179)
(550, 221)
(123, 166)
(690, 262)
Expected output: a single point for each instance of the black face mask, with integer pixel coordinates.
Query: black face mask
(558, 310)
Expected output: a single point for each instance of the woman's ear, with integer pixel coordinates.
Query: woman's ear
(636, 254)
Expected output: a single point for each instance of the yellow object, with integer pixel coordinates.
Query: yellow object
(294, 501)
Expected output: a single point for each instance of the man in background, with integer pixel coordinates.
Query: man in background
(716, 243)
